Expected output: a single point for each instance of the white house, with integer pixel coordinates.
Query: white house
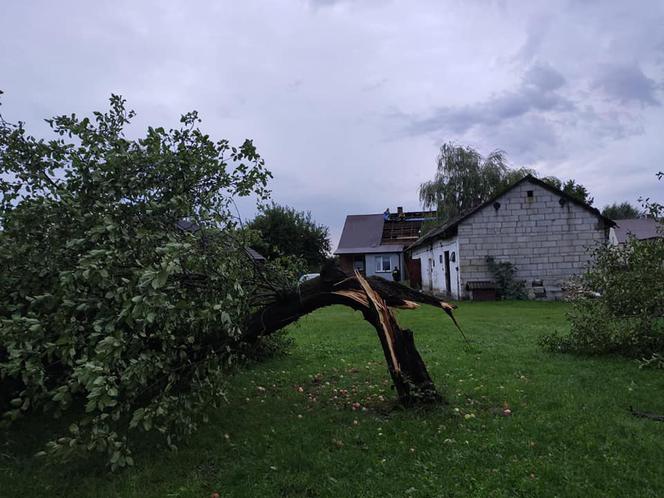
(544, 232)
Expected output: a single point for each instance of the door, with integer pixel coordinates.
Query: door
(430, 274)
(448, 286)
(414, 272)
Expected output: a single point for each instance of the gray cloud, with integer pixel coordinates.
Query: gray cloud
(326, 87)
(537, 92)
(627, 84)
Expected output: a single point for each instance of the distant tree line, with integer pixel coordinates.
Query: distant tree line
(622, 211)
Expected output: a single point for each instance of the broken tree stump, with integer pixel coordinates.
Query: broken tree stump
(373, 297)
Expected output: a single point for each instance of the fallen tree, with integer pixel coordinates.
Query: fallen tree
(373, 297)
(127, 292)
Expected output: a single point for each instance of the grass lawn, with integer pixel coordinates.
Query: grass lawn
(290, 428)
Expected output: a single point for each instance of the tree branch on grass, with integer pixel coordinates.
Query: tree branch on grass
(373, 297)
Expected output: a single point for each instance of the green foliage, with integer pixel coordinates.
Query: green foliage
(283, 231)
(110, 312)
(652, 208)
(627, 318)
(504, 273)
(571, 188)
(464, 179)
(622, 211)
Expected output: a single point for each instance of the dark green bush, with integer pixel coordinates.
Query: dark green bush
(507, 286)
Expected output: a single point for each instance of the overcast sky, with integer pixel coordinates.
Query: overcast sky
(348, 101)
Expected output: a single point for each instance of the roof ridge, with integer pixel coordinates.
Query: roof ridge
(537, 181)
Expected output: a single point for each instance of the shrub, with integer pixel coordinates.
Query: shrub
(627, 316)
(504, 273)
(125, 281)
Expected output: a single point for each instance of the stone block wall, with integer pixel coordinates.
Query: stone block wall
(544, 239)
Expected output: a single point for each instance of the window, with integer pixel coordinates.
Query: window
(383, 264)
(530, 196)
(358, 264)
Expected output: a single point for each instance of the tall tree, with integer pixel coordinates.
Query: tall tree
(622, 211)
(464, 179)
(283, 231)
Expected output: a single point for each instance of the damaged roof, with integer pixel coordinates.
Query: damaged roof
(376, 233)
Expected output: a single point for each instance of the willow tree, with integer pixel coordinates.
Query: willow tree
(127, 289)
(465, 179)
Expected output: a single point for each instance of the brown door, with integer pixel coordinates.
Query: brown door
(414, 270)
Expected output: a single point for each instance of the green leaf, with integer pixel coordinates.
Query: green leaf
(160, 280)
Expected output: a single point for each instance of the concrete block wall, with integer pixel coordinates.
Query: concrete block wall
(543, 239)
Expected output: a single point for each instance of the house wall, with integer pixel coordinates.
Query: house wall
(543, 239)
(396, 259)
(613, 238)
(433, 276)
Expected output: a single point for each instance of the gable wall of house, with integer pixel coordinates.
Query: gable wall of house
(543, 239)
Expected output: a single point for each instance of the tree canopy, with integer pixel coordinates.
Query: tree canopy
(283, 231)
(464, 179)
(571, 188)
(622, 211)
(109, 310)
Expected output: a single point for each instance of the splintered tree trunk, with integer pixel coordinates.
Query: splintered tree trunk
(409, 374)
(373, 297)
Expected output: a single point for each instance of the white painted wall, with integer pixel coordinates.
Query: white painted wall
(432, 264)
(613, 238)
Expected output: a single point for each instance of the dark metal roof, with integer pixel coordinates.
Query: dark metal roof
(447, 228)
(255, 255)
(642, 228)
(188, 226)
(361, 233)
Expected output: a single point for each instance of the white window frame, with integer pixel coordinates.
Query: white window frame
(380, 260)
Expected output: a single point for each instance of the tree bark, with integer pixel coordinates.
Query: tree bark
(373, 297)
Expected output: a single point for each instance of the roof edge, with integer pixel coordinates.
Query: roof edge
(530, 178)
